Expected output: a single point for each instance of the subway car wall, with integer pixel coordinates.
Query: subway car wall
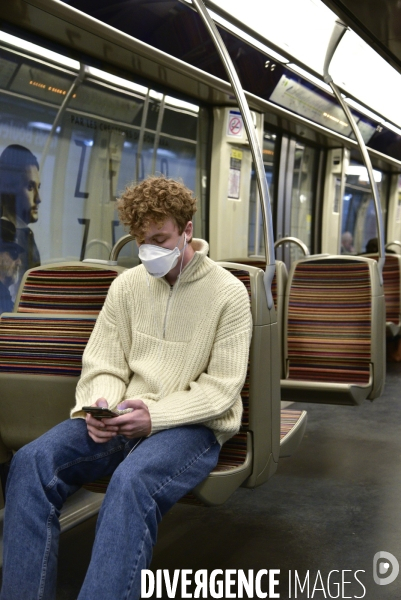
(115, 130)
(106, 137)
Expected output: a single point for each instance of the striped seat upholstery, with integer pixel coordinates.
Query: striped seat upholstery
(391, 282)
(331, 309)
(41, 345)
(293, 425)
(66, 289)
(392, 292)
(289, 418)
(329, 318)
(278, 292)
(48, 345)
(279, 279)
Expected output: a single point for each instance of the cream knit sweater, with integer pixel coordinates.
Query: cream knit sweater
(182, 350)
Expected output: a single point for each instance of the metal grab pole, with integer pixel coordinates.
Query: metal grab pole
(338, 32)
(77, 82)
(115, 251)
(253, 142)
(293, 240)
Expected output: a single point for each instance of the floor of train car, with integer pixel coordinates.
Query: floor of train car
(332, 506)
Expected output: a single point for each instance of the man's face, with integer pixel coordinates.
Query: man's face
(10, 263)
(27, 197)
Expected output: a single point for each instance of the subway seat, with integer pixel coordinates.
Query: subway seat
(293, 422)
(41, 344)
(250, 457)
(392, 292)
(334, 331)
(42, 341)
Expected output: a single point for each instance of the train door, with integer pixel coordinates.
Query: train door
(256, 246)
(297, 191)
(349, 216)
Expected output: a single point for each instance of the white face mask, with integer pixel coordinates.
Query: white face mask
(159, 261)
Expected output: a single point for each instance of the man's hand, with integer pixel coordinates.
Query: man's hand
(97, 428)
(134, 424)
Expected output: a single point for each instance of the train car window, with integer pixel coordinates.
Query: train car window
(256, 245)
(302, 197)
(106, 137)
(359, 217)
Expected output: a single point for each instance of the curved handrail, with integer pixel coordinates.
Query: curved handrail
(293, 240)
(253, 143)
(338, 32)
(115, 251)
(395, 243)
(95, 241)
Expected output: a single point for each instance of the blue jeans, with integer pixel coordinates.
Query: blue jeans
(145, 484)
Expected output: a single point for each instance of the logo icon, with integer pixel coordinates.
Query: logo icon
(385, 564)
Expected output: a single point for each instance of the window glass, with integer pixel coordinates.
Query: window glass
(359, 215)
(106, 137)
(256, 245)
(302, 197)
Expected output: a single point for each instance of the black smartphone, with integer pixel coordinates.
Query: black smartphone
(98, 412)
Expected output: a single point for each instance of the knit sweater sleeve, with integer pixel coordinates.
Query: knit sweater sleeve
(215, 394)
(105, 370)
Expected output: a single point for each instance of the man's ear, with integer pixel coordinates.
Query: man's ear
(189, 230)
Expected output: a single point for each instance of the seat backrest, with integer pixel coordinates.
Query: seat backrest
(40, 364)
(334, 322)
(392, 288)
(279, 284)
(68, 288)
(262, 407)
(41, 345)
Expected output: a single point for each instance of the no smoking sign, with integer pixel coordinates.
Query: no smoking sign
(235, 124)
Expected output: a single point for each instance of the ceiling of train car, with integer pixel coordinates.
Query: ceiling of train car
(378, 22)
(175, 30)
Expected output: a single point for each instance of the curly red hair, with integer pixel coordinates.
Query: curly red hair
(153, 201)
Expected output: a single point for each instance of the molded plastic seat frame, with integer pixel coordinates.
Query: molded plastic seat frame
(279, 284)
(293, 437)
(334, 392)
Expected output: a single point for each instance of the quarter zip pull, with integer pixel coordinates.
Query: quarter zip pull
(167, 308)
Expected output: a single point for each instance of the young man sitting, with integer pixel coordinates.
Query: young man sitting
(171, 345)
